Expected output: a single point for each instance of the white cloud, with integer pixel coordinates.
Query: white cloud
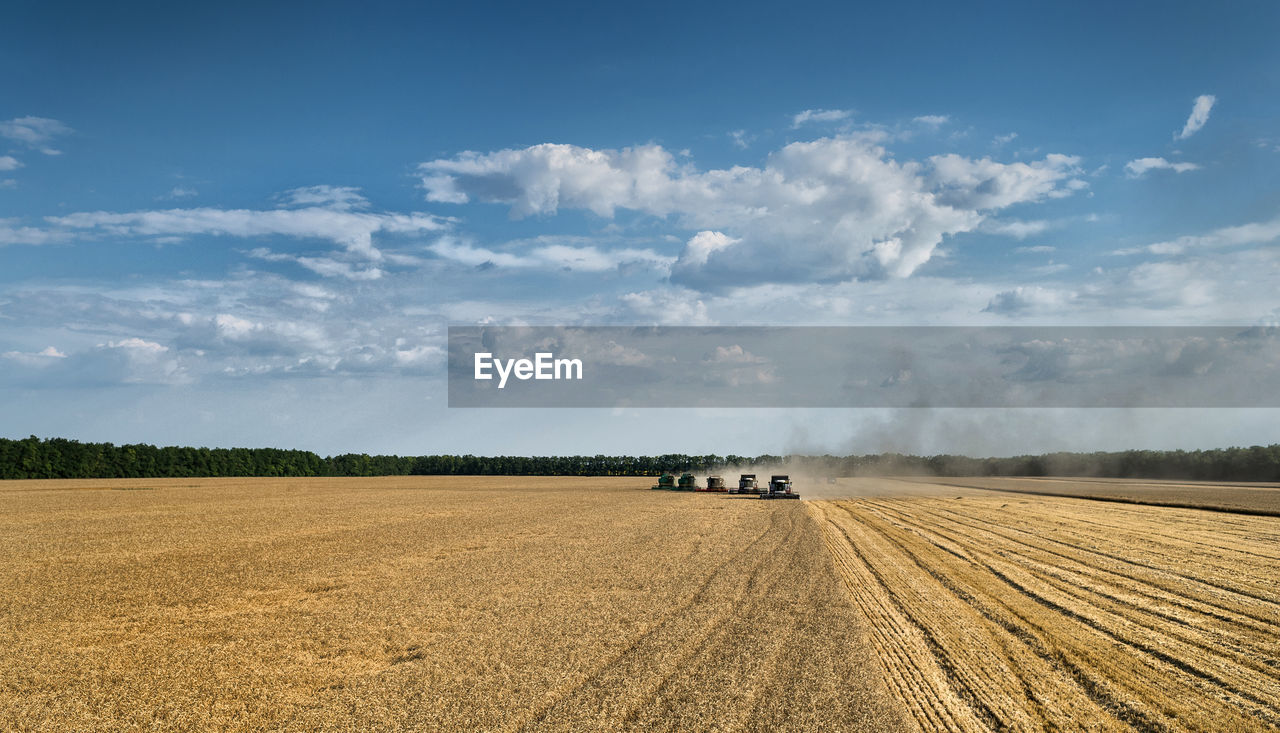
(701, 245)
(1140, 167)
(1004, 139)
(351, 230)
(1037, 249)
(45, 356)
(549, 257)
(1026, 299)
(828, 209)
(985, 184)
(136, 344)
(734, 354)
(34, 132)
(11, 233)
(339, 198)
(1199, 116)
(740, 139)
(1016, 228)
(820, 115)
(1263, 232)
(324, 266)
(659, 306)
(1182, 282)
(932, 120)
(180, 192)
(9, 163)
(329, 267)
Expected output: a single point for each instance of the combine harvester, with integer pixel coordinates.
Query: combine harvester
(746, 485)
(668, 482)
(779, 488)
(715, 484)
(686, 482)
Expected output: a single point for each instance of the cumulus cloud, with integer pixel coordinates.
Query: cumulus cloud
(129, 360)
(985, 184)
(659, 306)
(35, 132)
(829, 209)
(820, 115)
(350, 229)
(1025, 299)
(9, 163)
(1140, 167)
(1199, 115)
(700, 247)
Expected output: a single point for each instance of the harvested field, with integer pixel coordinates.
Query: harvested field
(419, 603)
(995, 611)
(528, 604)
(1242, 498)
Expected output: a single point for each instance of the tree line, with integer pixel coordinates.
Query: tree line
(61, 458)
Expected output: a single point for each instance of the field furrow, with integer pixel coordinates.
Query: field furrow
(1063, 613)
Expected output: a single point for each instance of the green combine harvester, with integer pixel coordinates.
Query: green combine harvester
(666, 482)
(687, 483)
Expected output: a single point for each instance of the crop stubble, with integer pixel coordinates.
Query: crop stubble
(993, 611)
(572, 604)
(419, 603)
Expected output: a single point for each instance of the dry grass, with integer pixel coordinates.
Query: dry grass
(421, 604)
(993, 611)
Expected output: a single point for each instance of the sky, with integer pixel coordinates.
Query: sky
(226, 224)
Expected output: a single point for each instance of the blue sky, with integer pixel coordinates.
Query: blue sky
(229, 225)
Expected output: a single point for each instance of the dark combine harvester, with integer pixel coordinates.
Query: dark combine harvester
(714, 484)
(779, 488)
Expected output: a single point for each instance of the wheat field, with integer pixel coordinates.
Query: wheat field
(1261, 499)
(572, 604)
(422, 603)
(993, 611)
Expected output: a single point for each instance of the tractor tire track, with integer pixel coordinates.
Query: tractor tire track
(1146, 642)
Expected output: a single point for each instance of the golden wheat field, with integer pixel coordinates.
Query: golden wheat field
(508, 604)
(452, 604)
(995, 611)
